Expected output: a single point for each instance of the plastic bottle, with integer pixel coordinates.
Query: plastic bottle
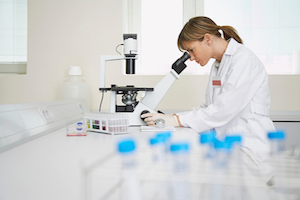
(236, 170)
(277, 139)
(207, 153)
(131, 186)
(180, 164)
(159, 144)
(219, 187)
(75, 87)
(234, 142)
(163, 139)
(206, 141)
(280, 185)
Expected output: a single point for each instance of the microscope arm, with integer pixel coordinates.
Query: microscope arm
(103, 60)
(153, 98)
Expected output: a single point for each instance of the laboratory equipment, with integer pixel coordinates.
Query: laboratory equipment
(163, 139)
(152, 99)
(180, 168)
(207, 141)
(129, 93)
(79, 129)
(282, 187)
(130, 186)
(219, 189)
(159, 123)
(277, 139)
(75, 87)
(112, 123)
(158, 149)
(21, 123)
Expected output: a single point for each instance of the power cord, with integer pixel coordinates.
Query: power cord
(117, 48)
(101, 101)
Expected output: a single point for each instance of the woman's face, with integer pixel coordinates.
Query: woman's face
(199, 51)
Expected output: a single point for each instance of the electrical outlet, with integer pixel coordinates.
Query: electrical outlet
(46, 115)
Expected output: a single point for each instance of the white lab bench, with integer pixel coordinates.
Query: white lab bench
(56, 166)
(52, 165)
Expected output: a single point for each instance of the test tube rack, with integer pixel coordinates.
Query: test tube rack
(110, 123)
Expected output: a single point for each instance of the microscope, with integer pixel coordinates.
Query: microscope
(129, 93)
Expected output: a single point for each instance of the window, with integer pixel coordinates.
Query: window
(13, 36)
(157, 30)
(158, 35)
(269, 28)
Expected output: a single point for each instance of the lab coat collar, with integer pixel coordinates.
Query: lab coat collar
(232, 47)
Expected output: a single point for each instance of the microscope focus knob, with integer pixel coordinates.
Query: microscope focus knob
(144, 112)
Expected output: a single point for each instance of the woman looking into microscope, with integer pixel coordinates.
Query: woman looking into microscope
(237, 95)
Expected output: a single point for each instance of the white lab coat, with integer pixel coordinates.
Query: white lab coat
(240, 105)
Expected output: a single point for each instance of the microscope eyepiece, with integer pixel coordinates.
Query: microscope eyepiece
(179, 65)
(185, 56)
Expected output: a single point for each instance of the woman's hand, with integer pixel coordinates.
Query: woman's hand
(170, 120)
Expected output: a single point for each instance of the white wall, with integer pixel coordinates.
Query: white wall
(62, 33)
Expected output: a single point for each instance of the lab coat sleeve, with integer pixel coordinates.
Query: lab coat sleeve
(244, 77)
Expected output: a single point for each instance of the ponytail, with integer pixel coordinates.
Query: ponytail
(230, 32)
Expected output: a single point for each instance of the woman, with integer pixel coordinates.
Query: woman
(237, 95)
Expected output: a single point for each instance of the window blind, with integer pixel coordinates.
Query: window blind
(13, 36)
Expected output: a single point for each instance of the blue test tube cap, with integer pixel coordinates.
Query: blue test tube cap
(221, 145)
(276, 135)
(181, 147)
(206, 137)
(163, 137)
(153, 141)
(126, 146)
(233, 138)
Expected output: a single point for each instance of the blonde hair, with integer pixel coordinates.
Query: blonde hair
(197, 27)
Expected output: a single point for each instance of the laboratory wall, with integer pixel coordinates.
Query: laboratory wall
(62, 33)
